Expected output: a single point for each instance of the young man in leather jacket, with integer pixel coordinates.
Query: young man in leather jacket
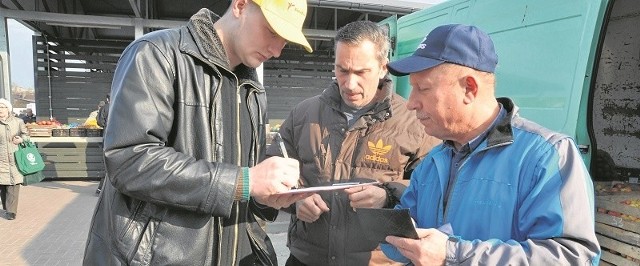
(185, 144)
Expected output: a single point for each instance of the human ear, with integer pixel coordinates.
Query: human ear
(383, 69)
(239, 6)
(470, 87)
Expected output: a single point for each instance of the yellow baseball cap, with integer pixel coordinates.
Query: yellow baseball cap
(286, 18)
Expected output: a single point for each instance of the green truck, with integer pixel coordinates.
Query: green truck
(572, 66)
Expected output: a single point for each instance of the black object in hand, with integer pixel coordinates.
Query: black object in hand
(380, 223)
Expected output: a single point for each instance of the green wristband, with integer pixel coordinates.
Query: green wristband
(245, 183)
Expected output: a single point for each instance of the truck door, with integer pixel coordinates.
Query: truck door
(390, 25)
(614, 100)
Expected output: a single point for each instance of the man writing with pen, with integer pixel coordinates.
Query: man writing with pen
(357, 130)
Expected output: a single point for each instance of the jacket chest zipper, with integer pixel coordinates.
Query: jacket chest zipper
(238, 142)
(239, 160)
(254, 125)
(359, 141)
(235, 236)
(453, 185)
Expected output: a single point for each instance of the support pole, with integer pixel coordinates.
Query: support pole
(5, 77)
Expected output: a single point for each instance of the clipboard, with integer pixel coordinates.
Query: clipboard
(380, 223)
(336, 186)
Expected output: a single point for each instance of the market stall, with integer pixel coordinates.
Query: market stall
(69, 153)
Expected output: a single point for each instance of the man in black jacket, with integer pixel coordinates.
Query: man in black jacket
(29, 116)
(103, 113)
(101, 119)
(185, 144)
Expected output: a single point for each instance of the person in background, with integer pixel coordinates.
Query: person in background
(93, 116)
(103, 114)
(13, 131)
(185, 143)
(28, 116)
(513, 192)
(358, 129)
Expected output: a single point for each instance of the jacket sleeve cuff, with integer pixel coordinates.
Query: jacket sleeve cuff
(242, 185)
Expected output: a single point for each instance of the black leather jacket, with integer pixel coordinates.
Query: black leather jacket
(170, 195)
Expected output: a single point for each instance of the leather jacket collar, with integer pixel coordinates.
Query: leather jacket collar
(207, 47)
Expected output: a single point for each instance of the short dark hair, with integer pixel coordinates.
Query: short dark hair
(356, 32)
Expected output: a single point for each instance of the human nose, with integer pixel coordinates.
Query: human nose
(276, 46)
(412, 104)
(350, 81)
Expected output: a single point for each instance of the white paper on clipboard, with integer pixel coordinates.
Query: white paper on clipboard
(336, 186)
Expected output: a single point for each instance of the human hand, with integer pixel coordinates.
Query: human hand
(429, 249)
(279, 201)
(17, 140)
(309, 209)
(367, 196)
(273, 175)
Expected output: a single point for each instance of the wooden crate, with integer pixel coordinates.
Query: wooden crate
(39, 132)
(618, 225)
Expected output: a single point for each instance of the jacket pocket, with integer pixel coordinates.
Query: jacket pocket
(144, 251)
(261, 245)
(134, 228)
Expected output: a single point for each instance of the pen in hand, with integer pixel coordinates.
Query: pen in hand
(283, 149)
(281, 143)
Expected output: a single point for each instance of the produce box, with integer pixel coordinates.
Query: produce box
(39, 131)
(60, 132)
(618, 222)
(94, 132)
(78, 132)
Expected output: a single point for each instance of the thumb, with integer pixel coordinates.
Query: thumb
(320, 203)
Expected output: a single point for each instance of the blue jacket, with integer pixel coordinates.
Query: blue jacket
(523, 196)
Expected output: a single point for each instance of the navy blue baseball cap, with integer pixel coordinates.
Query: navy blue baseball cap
(455, 43)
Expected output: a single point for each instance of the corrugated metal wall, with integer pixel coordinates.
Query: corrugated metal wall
(76, 75)
(73, 76)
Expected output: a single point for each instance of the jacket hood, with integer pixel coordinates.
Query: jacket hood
(210, 46)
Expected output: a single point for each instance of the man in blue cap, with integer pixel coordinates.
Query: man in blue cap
(515, 193)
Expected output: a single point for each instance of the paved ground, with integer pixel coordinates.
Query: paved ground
(53, 220)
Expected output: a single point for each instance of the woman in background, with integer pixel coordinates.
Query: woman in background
(12, 132)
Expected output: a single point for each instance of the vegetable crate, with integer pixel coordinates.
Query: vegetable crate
(60, 132)
(94, 132)
(618, 223)
(39, 131)
(77, 132)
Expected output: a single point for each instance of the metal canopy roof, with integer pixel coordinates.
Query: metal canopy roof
(94, 32)
(125, 19)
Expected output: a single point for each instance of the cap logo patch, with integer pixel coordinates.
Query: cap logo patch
(295, 8)
(422, 45)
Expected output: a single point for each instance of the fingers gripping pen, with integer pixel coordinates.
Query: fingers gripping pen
(283, 150)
